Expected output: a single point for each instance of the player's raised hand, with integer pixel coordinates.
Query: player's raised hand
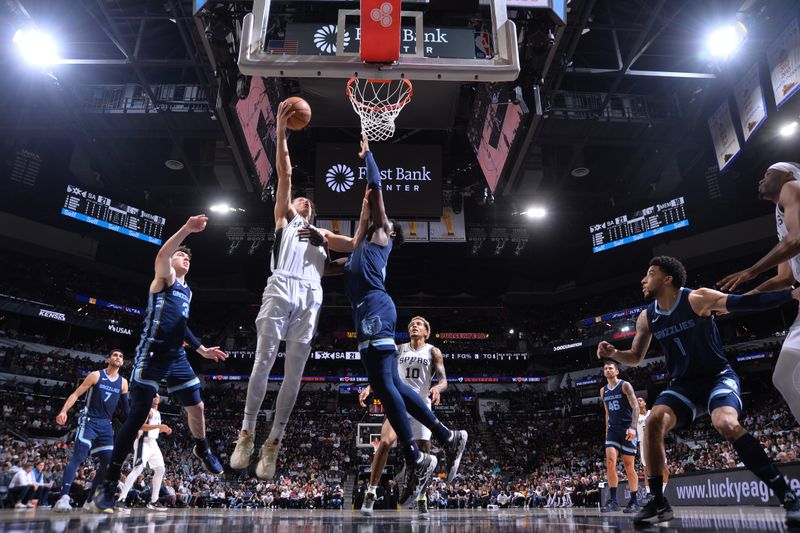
(165, 429)
(436, 397)
(364, 146)
(605, 350)
(314, 236)
(362, 397)
(197, 223)
(730, 282)
(284, 112)
(213, 353)
(61, 419)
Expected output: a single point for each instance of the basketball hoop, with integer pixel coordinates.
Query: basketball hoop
(378, 102)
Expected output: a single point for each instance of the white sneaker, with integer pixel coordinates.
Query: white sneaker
(369, 503)
(63, 505)
(29, 505)
(240, 458)
(20, 505)
(265, 469)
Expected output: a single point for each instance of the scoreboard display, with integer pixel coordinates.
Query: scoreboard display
(115, 216)
(650, 221)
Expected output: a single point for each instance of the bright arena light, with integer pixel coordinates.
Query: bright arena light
(221, 208)
(36, 47)
(511, 331)
(536, 212)
(723, 42)
(788, 129)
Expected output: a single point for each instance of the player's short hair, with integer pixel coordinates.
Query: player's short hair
(611, 362)
(427, 324)
(671, 267)
(399, 234)
(185, 249)
(113, 351)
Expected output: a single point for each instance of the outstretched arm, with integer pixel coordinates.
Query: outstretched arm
(375, 198)
(639, 346)
(706, 301)
(213, 353)
(783, 251)
(89, 382)
(164, 273)
(784, 279)
(284, 211)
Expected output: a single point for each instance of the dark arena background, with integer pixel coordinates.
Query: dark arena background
(550, 150)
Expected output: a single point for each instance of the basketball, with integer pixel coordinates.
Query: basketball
(302, 113)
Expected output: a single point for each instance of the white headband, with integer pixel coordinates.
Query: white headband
(787, 167)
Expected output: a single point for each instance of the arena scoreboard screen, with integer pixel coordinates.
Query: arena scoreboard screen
(106, 213)
(648, 222)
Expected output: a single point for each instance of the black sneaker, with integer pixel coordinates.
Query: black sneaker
(103, 499)
(422, 508)
(210, 461)
(792, 505)
(652, 513)
(453, 451)
(632, 507)
(418, 477)
(611, 506)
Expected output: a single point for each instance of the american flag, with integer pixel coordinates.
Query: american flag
(283, 47)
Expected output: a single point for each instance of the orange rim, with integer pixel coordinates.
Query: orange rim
(391, 107)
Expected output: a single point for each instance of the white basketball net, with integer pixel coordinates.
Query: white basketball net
(378, 102)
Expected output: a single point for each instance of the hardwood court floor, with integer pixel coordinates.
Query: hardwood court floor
(690, 519)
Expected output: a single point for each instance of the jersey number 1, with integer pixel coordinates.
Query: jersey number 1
(680, 346)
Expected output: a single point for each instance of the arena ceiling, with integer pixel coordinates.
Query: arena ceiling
(626, 95)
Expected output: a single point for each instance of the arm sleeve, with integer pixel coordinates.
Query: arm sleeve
(757, 301)
(373, 173)
(123, 402)
(193, 342)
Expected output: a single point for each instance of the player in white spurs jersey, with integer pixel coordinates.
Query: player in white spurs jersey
(289, 308)
(780, 185)
(416, 364)
(644, 412)
(147, 452)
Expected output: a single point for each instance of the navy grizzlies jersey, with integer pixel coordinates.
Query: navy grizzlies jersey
(620, 412)
(102, 398)
(691, 343)
(166, 319)
(365, 270)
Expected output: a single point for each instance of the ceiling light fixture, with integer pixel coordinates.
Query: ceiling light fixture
(36, 46)
(789, 129)
(726, 40)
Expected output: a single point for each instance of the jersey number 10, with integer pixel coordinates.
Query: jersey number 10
(412, 373)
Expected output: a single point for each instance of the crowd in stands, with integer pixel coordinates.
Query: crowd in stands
(534, 448)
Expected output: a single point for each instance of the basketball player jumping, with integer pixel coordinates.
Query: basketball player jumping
(95, 434)
(619, 402)
(375, 316)
(147, 452)
(780, 185)
(417, 361)
(160, 356)
(682, 320)
(289, 309)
